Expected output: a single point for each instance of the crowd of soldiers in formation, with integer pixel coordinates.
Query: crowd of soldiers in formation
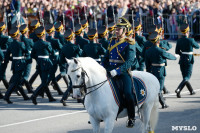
(50, 45)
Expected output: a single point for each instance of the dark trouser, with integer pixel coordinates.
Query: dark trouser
(128, 92)
(141, 66)
(43, 87)
(15, 82)
(58, 78)
(68, 91)
(53, 79)
(186, 70)
(26, 75)
(34, 76)
(3, 74)
(1, 95)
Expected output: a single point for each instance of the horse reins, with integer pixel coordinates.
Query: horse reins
(83, 85)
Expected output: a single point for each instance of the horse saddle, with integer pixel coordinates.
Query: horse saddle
(117, 87)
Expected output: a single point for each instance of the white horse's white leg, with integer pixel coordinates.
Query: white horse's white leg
(109, 124)
(95, 125)
(146, 111)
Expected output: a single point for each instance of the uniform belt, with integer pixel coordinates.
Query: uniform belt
(116, 61)
(187, 52)
(163, 64)
(4, 50)
(56, 53)
(43, 57)
(18, 58)
(97, 59)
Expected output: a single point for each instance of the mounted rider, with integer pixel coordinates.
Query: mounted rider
(119, 59)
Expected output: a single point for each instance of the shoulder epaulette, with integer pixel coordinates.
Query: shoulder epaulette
(130, 41)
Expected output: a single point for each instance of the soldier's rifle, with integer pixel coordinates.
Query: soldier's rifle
(133, 24)
(85, 13)
(114, 14)
(64, 21)
(106, 17)
(95, 22)
(5, 21)
(72, 21)
(41, 19)
(79, 20)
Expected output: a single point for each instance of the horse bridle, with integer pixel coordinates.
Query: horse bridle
(83, 85)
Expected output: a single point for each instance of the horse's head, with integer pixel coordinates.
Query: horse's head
(78, 76)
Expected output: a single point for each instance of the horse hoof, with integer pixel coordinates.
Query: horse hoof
(130, 123)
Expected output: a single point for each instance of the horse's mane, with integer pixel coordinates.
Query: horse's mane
(90, 63)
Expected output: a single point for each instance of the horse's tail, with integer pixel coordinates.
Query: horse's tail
(154, 114)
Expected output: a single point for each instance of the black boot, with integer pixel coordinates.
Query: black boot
(162, 101)
(131, 114)
(165, 90)
(8, 93)
(190, 88)
(57, 87)
(21, 90)
(5, 82)
(36, 93)
(33, 78)
(66, 95)
(1, 95)
(180, 87)
(28, 86)
(51, 99)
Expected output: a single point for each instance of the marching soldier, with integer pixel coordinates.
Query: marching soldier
(18, 51)
(155, 59)
(130, 34)
(41, 52)
(184, 48)
(93, 49)
(29, 45)
(69, 51)
(163, 44)
(56, 47)
(140, 40)
(34, 25)
(111, 28)
(5, 42)
(59, 32)
(103, 36)
(79, 36)
(84, 24)
(119, 58)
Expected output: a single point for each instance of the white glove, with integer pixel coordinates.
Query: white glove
(113, 73)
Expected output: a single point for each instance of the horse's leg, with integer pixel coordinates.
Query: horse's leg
(109, 124)
(95, 125)
(146, 111)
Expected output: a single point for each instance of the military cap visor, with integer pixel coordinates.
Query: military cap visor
(84, 23)
(23, 28)
(184, 28)
(92, 34)
(152, 29)
(154, 37)
(69, 34)
(78, 29)
(102, 31)
(14, 32)
(2, 26)
(40, 31)
(123, 23)
(58, 26)
(49, 28)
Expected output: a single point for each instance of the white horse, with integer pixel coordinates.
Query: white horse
(100, 103)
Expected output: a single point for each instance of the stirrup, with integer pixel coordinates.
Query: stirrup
(130, 123)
